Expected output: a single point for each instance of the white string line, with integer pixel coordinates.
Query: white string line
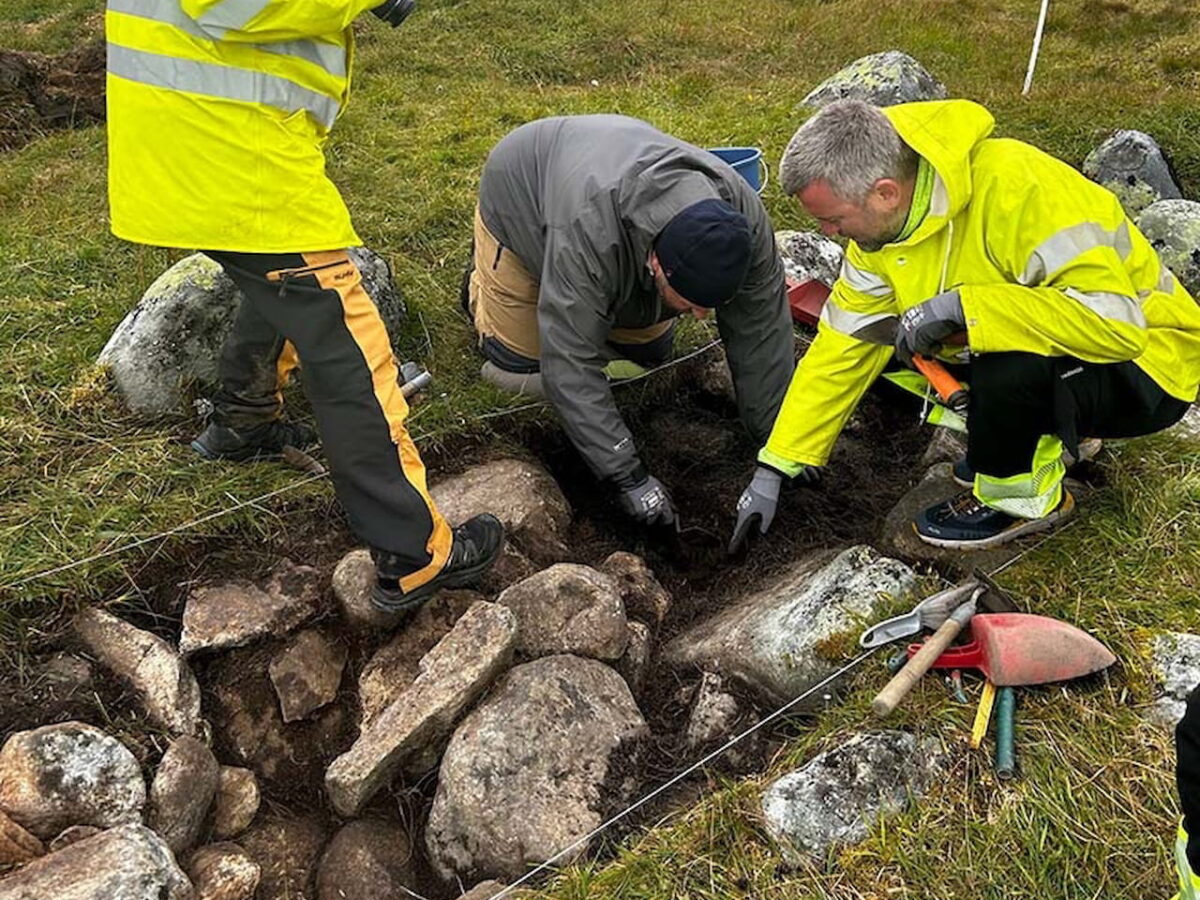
(217, 514)
(850, 666)
(1037, 45)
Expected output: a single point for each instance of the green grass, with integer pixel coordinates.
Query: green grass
(1093, 812)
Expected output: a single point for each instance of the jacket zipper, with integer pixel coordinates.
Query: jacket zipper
(283, 276)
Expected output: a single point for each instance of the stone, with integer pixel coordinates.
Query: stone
(884, 79)
(1187, 428)
(396, 665)
(353, 579)
(368, 859)
(182, 792)
(1175, 663)
(72, 835)
(715, 713)
(306, 675)
(65, 674)
(1173, 229)
(946, 446)
(642, 595)
(1132, 166)
(533, 768)
(714, 378)
(568, 608)
(17, 845)
(237, 612)
(898, 536)
(287, 851)
(128, 862)
(635, 661)
(160, 676)
(69, 774)
(839, 795)
(769, 640)
(521, 494)
(223, 872)
(236, 802)
(808, 256)
(486, 890)
(510, 567)
(170, 342)
(408, 736)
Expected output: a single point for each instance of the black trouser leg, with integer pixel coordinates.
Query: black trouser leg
(317, 302)
(249, 370)
(1187, 775)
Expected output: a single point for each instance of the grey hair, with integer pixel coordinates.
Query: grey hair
(849, 145)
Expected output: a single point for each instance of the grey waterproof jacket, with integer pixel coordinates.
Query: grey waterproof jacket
(580, 201)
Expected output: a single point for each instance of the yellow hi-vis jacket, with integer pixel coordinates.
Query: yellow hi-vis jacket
(218, 111)
(1045, 261)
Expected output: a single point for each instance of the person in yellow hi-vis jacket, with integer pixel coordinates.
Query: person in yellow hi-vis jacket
(218, 111)
(991, 252)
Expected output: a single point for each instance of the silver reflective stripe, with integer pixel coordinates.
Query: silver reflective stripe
(1064, 246)
(219, 81)
(939, 203)
(1166, 280)
(859, 325)
(329, 57)
(864, 282)
(233, 13)
(1117, 307)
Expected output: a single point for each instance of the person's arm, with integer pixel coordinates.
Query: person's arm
(267, 21)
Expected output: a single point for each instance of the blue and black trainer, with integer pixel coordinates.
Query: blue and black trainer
(964, 522)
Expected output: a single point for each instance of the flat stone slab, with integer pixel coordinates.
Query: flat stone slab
(160, 676)
(237, 612)
(408, 736)
(769, 640)
(128, 862)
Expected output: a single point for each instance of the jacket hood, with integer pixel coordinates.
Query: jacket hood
(944, 133)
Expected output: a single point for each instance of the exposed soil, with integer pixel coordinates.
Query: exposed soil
(41, 93)
(689, 438)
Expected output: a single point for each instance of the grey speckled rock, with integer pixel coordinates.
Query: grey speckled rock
(768, 640)
(409, 735)
(884, 79)
(1176, 664)
(520, 494)
(126, 863)
(162, 678)
(808, 256)
(171, 340)
(181, 793)
(568, 608)
(838, 796)
(528, 772)
(1131, 165)
(1173, 229)
(69, 774)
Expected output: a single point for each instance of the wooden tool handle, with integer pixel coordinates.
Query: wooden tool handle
(889, 698)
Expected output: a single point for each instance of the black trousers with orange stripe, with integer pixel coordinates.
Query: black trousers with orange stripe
(312, 308)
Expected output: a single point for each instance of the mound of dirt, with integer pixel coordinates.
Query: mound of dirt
(41, 93)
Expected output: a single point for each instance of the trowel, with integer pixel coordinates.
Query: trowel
(930, 613)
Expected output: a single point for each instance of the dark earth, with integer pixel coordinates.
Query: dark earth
(40, 93)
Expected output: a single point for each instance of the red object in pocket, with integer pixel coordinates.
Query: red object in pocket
(806, 299)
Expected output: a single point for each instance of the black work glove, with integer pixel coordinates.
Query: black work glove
(760, 499)
(643, 497)
(924, 327)
(394, 12)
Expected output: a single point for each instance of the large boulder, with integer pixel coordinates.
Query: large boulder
(235, 613)
(532, 769)
(769, 640)
(129, 862)
(523, 495)
(1175, 662)
(883, 79)
(409, 735)
(1173, 229)
(170, 342)
(306, 674)
(568, 608)
(838, 796)
(1132, 166)
(368, 859)
(69, 774)
(159, 675)
(182, 792)
(808, 256)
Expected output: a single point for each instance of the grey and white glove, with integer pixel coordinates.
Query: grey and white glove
(924, 328)
(647, 501)
(760, 499)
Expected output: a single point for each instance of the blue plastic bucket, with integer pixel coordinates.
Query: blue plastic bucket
(747, 162)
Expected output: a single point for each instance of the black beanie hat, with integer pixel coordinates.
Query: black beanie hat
(705, 252)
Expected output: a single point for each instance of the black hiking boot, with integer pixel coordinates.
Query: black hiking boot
(965, 523)
(262, 442)
(477, 543)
